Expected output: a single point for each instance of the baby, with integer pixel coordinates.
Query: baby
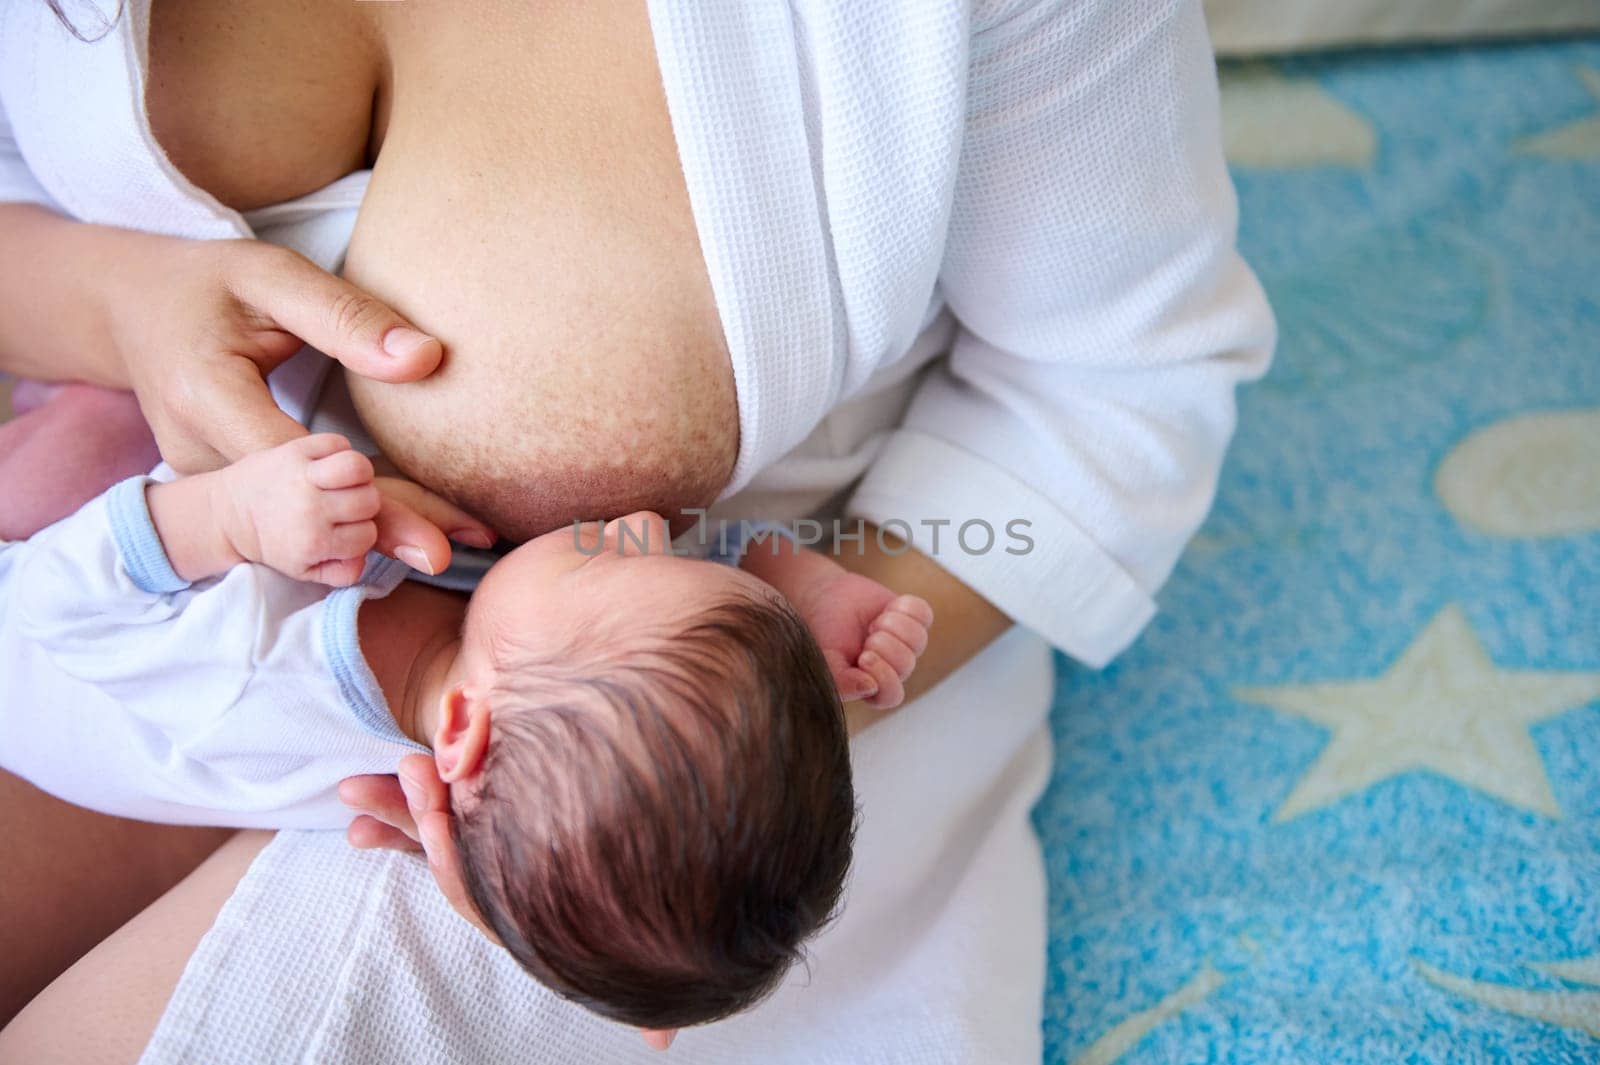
(646, 752)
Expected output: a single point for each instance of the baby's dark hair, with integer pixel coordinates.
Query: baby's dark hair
(659, 829)
(106, 22)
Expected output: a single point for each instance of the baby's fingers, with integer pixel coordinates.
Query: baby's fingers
(347, 549)
(345, 505)
(903, 627)
(852, 683)
(338, 573)
(340, 469)
(891, 692)
(353, 541)
(901, 658)
(914, 607)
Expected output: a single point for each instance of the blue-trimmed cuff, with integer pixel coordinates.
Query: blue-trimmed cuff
(141, 549)
(341, 645)
(730, 550)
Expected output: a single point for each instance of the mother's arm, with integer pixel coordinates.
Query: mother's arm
(964, 621)
(191, 326)
(72, 877)
(1105, 319)
(97, 1013)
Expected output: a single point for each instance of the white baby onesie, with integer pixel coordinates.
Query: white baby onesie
(241, 700)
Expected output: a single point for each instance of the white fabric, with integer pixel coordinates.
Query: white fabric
(1052, 173)
(1038, 185)
(213, 704)
(1250, 27)
(938, 956)
(1049, 172)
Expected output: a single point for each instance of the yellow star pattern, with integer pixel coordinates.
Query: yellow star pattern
(1578, 1010)
(1124, 1036)
(1442, 706)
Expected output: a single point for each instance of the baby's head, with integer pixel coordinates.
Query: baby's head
(650, 776)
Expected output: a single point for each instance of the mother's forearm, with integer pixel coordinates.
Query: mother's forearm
(52, 273)
(964, 622)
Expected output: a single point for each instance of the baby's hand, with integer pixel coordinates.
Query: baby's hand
(870, 637)
(308, 508)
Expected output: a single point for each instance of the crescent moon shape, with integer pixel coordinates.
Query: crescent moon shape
(1531, 476)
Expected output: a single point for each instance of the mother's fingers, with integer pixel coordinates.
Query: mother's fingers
(336, 317)
(231, 410)
(429, 799)
(416, 526)
(444, 861)
(380, 798)
(411, 808)
(368, 833)
(456, 523)
(424, 791)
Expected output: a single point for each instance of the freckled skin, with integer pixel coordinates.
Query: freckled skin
(526, 207)
(549, 232)
(586, 374)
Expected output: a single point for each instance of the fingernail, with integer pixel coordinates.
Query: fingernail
(414, 557)
(402, 341)
(472, 538)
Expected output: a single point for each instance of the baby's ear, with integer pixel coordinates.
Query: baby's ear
(462, 738)
(659, 1038)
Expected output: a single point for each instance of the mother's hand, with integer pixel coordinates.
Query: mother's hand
(198, 324)
(411, 812)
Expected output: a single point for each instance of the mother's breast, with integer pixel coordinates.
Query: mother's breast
(527, 208)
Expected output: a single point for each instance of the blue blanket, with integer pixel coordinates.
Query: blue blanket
(1341, 803)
